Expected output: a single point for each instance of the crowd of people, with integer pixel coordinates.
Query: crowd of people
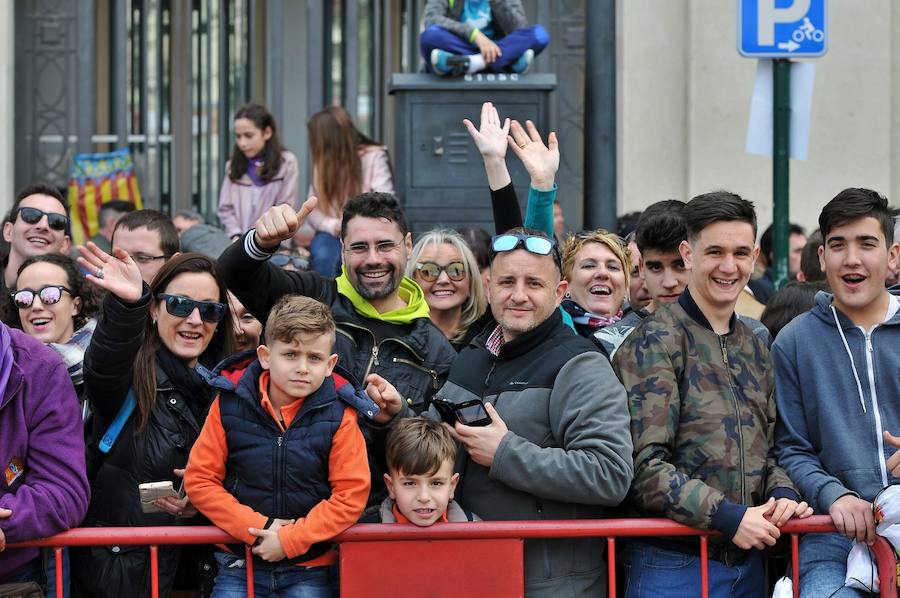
(308, 365)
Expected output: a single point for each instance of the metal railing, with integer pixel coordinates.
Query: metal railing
(462, 535)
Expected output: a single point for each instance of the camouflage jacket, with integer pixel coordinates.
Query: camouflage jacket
(702, 418)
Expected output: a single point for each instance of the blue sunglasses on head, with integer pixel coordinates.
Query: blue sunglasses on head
(532, 243)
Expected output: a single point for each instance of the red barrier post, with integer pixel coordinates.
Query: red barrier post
(704, 567)
(248, 559)
(154, 572)
(59, 571)
(611, 566)
(887, 567)
(795, 564)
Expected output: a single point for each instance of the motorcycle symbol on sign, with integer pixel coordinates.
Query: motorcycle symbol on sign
(807, 31)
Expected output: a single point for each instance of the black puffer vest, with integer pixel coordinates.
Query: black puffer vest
(284, 474)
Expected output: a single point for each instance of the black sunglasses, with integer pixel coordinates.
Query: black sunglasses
(282, 259)
(33, 216)
(49, 295)
(182, 307)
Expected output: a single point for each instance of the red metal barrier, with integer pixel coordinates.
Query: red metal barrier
(481, 544)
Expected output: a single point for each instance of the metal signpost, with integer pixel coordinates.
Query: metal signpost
(779, 30)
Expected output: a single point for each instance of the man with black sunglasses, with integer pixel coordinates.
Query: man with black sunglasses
(37, 224)
(558, 444)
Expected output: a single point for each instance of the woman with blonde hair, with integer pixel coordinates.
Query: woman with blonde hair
(446, 269)
(345, 163)
(598, 267)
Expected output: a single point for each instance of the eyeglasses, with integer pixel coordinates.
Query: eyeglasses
(143, 258)
(182, 307)
(282, 259)
(33, 216)
(380, 247)
(430, 271)
(49, 294)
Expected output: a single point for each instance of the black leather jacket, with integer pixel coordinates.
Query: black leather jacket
(137, 457)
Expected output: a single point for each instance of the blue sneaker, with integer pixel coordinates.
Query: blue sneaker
(523, 64)
(445, 63)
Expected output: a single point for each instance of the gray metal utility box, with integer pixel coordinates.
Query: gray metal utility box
(439, 174)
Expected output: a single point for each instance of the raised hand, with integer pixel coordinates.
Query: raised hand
(279, 223)
(541, 161)
(117, 273)
(490, 136)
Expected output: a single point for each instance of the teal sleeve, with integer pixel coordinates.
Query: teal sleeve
(539, 213)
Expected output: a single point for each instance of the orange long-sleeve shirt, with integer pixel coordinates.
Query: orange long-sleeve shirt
(348, 472)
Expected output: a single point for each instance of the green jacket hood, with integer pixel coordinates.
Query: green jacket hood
(410, 292)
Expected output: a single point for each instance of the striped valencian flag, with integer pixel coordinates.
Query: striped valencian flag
(97, 178)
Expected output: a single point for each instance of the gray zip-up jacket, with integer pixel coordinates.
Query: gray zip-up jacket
(567, 454)
(509, 15)
(837, 389)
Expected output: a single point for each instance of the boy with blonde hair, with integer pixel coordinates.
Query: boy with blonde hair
(420, 479)
(281, 463)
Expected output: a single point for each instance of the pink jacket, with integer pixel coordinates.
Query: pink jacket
(241, 202)
(376, 176)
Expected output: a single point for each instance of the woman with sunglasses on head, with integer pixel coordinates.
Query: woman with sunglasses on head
(148, 380)
(53, 303)
(446, 269)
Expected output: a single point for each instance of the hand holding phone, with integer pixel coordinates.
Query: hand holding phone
(151, 491)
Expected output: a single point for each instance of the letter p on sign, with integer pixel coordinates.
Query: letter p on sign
(769, 16)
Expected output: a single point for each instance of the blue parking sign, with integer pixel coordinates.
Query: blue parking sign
(782, 28)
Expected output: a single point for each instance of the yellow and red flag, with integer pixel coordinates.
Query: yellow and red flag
(97, 178)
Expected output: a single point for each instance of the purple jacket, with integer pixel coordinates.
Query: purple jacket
(44, 482)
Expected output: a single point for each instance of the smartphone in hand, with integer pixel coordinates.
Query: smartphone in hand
(151, 491)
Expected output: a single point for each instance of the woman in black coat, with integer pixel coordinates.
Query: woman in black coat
(153, 348)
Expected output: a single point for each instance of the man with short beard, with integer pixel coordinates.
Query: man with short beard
(558, 444)
(382, 317)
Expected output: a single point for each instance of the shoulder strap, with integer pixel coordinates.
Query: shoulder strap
(115, 428)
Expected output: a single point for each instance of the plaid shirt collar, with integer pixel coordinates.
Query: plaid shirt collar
(495, 341)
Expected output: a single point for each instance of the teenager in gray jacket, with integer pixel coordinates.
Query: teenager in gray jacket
(837, 389)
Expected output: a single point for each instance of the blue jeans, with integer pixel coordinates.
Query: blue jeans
(271, 580)
(42, 571)
(512, 46)
(654, 572)
(823, 566)
(326, 254)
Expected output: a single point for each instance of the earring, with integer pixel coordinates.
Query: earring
(153, 321)
(568, 295)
